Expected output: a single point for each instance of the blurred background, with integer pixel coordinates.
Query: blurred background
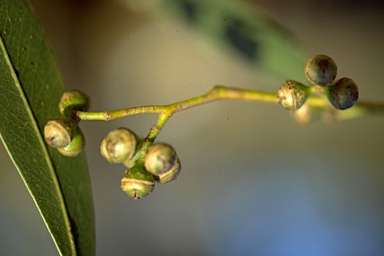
(253, 182)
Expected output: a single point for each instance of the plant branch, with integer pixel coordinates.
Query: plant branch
(220, 92)
(217, 93)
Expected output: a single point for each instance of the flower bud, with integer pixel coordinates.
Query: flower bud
(162, 161)
(292, 95)
(73, 101)
(75, 146)
(59, 133)
(171, 174)
(119, 145)
(320, 70)
(343, 94)
(137, 182)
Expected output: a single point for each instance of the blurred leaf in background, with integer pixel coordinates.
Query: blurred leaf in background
(238, 27)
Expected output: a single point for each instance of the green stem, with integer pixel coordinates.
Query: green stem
(166, 111)
(219, 92)
(163, 118)
(361, 108)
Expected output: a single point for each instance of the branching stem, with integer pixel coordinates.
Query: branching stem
(219, 92)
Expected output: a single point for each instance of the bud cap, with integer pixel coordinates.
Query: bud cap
(59, 133)
(343, 94)
(320, 70)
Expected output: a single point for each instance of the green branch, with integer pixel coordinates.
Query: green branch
(148, 162)
(220, 92)
(166, 111)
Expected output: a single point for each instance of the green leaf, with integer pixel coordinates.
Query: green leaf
(30, 89)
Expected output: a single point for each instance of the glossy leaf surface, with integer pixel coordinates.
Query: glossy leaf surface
(30, 89)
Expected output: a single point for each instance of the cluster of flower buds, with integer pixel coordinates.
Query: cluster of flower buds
(65, 133)
(146, 162)
(159, 163)
(321, 71)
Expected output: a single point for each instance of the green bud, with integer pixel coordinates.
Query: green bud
(343, 94)
(137, 182)
(320, 70)
(171, 174)
(119, 145)
(162, 161)
(59, 133)
(292, 95)
(75, 146)
(73, 101)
